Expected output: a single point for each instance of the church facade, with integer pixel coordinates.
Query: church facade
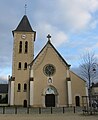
(43, 81)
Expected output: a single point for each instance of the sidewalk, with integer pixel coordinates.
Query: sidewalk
(66, 116)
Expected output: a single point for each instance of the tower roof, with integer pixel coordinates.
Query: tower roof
(24, 25)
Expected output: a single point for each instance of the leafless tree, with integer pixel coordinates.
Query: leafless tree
(88, 70)
(88, 67)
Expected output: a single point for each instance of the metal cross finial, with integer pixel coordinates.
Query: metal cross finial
(49, 36)
(25, 8)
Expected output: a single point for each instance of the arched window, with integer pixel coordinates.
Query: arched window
(19, 86)
(26, 47)
(20, 47)
(25, 87)
(25, 65)
(25, 103)
(0, 97)
(19, 65)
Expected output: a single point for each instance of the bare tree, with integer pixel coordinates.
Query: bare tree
(88, 70)
(88, 67)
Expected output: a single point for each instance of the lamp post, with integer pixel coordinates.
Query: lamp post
(90, 97)
(94, 66)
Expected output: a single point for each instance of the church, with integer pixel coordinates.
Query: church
(42, 81)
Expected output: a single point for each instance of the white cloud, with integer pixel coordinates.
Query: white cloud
(94, 24)
(57, 37)
(3, 77)
(77, 14)
(93, 5)
(56, 17)
(60, 38)
(68, 15)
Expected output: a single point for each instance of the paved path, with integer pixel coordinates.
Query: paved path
(66, 116)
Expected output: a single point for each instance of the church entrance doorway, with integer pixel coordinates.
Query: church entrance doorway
(50, 100)
(77, 99)
(50, 97)
(25, 103)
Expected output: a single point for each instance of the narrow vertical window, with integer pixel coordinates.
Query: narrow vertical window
(26, 47)
(0, 97)
(19, 65)
(25, 65)
(19, 87)
(20, 47)
(25, 87)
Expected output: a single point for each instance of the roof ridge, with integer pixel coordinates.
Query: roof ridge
(49, 42)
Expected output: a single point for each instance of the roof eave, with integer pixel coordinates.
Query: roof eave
(25, 31)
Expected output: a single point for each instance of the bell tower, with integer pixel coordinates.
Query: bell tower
(23, 54)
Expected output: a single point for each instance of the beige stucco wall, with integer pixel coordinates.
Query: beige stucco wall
(49, 56)
(22, 57)
(22, 75)
(78, 87)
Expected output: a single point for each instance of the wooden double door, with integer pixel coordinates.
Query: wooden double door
(50, 100)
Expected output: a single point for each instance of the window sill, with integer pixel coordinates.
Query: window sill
(25, 68)
(19, 68)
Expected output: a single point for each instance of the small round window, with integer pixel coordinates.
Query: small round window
(49, 70)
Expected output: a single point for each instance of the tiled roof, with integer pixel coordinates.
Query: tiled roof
(24, 25)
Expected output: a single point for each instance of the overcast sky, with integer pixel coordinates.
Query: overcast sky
(73, 25)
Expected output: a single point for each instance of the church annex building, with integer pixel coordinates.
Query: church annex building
(43, 81)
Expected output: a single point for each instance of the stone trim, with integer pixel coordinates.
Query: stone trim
(68, 79)
(31, 79)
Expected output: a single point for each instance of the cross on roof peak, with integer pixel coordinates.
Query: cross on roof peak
(25, 8)
(48, 36)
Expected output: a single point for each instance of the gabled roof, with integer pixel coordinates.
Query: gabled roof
(24, 25)
(3, 88)
(49, 43)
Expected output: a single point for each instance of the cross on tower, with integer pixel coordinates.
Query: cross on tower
(48, 36)
(25, 8)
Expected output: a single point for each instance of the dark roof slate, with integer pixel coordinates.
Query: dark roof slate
(3, 88)
(24, 25)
